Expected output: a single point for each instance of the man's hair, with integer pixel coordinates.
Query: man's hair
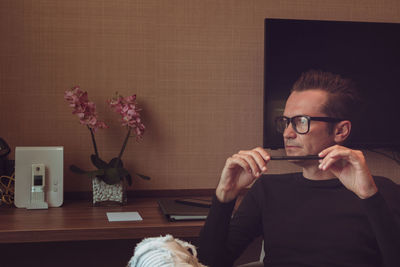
(342, 93)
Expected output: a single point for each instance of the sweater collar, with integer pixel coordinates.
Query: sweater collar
(334, 182)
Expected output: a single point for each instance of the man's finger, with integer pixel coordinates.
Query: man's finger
(257, 158)
(250, 161)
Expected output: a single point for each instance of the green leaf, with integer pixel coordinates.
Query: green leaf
(98, 162)
(129, 179)
(116, 163)
(96, 173)
(76, 169)
(124, 173)
(111, 176)
(143, 176)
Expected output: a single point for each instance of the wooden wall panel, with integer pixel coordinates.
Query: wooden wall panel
(196, 67)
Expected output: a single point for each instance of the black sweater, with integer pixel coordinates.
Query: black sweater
(306, 223)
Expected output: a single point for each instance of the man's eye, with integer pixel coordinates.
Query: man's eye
(301, 121)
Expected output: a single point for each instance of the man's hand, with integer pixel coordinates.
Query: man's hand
(351, 169)
(241, 170)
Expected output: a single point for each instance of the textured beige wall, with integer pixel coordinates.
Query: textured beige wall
(196, 67)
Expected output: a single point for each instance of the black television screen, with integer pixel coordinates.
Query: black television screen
(366, 52)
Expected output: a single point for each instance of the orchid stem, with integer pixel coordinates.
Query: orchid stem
(125, 142)
(94, 141)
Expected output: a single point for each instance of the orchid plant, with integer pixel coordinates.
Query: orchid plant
(113, 171)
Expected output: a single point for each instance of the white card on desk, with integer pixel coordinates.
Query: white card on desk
(123, 216)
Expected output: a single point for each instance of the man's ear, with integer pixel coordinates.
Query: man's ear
(342, 131)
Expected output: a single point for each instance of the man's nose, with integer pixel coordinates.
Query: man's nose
(289, 132)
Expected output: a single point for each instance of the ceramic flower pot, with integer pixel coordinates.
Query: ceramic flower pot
(108, 195)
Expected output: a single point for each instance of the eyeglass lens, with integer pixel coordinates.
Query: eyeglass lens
(299, 123)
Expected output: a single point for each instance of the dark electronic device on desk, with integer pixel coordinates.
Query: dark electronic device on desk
(6, 166)
(197, 202)
(175, 211)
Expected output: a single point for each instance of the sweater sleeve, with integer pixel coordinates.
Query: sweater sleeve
(222, 239)
(385, 224)
(214, 233)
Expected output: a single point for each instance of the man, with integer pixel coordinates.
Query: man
(334, 213)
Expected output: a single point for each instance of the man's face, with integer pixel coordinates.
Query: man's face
(309, 103)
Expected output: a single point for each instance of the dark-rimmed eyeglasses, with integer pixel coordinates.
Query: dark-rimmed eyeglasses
(300, 123)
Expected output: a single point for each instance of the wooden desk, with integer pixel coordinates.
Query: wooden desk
(78, 221)
(78, 234)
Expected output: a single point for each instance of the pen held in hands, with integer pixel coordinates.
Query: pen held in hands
(308, 157)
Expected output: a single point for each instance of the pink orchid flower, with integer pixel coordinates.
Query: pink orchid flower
(83, 108)
(129, 111)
